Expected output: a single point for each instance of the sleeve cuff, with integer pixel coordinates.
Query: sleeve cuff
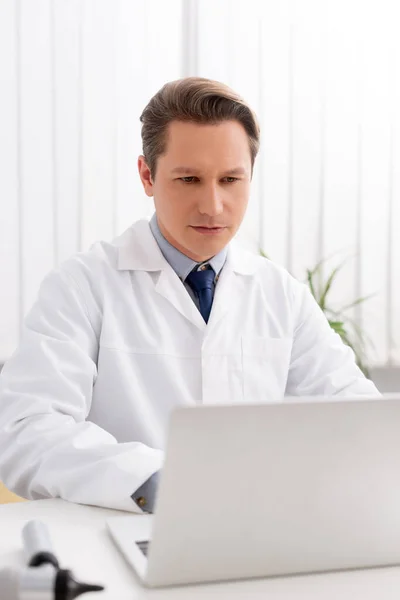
(145, 496)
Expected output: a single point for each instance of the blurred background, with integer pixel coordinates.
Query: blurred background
(323, 77)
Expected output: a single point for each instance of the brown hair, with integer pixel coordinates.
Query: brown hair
(198, 100)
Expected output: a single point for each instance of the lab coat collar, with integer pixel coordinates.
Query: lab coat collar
(139, 251)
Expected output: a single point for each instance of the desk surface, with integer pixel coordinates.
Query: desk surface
(82, 544)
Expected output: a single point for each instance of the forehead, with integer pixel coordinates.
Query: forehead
(217, 144)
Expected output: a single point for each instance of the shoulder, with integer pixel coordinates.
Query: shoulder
(100, 263)
(87, 275)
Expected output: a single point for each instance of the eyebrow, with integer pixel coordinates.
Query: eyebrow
(191, 171)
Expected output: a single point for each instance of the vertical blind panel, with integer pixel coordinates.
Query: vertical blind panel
(37, 165)
(66, 132)
(131, 68)
(163, 60)
(375, 175)
(99, 123)
(308, 65)
(393, 282)
(9, 217)
(340, 185)
(274, 121)
(393, 322)
(213, 41)
(393, 318)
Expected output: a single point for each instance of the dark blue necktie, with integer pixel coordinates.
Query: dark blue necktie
(202, 283)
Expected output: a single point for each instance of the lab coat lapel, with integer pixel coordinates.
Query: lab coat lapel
(172, 289)
(224, 296)
(238, 263)
(139, 251)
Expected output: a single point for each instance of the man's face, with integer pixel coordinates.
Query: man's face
(202, 186)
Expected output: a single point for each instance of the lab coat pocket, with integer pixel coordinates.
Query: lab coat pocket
(266, 362)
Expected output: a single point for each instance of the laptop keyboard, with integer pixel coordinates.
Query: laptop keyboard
(144, 546)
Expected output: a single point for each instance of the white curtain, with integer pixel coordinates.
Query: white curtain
(322, 75)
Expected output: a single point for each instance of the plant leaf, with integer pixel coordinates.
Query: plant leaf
(356, 302)
(329, 283)
(311, 283)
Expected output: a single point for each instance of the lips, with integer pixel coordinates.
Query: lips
(208, 227)
(208, 230)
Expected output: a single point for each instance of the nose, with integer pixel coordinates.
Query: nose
(210, 203)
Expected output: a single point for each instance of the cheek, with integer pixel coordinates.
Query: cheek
(238, 202)
(177, 209)
(166, 199)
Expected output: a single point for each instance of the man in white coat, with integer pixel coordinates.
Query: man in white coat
(171, 313)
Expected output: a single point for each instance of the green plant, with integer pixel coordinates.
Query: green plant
(348, 329)
(350, 332)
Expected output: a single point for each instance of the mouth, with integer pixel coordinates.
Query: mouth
(209, 230)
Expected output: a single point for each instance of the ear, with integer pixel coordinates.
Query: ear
(145, 176)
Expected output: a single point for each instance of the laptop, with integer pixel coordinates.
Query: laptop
(302, 486)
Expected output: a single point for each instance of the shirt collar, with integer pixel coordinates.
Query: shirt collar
(182, 264)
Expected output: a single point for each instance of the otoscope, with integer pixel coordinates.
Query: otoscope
(42, 578)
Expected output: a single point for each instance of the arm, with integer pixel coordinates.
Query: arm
(321, 363)
(47, 448)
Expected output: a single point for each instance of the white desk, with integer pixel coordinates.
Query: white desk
(82, 544)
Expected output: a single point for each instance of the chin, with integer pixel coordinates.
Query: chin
(208, 249)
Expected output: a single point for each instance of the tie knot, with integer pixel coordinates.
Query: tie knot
(201, 280)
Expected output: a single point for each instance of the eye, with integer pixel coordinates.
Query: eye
(231, 179)
(188, 179)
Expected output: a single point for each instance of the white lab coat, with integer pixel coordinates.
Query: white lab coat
(114, 342)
